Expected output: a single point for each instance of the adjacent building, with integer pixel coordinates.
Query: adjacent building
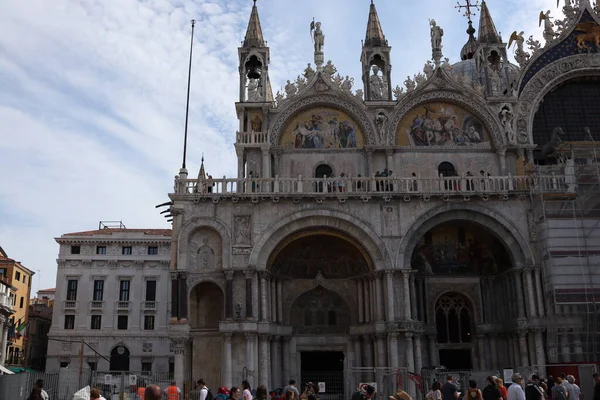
(19, 278)
(6, 310)
(112, 292)
(38, 325)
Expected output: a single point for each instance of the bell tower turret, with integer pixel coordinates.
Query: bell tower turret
(375, 61)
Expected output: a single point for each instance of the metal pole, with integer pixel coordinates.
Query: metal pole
(187, 105)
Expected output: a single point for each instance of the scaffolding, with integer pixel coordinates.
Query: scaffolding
(568, 220)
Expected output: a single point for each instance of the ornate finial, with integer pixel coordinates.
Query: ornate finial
(203, 153)
(468, 13)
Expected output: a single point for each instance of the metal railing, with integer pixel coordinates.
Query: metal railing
(381, 186)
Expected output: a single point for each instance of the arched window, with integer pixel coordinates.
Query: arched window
(446, 169)
(453, 317)
(119, 358)
(322, 171)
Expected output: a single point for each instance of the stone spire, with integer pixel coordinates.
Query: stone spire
(469, 49)
(254, 36)
(487, 29)
(202, 173)
(374, 36)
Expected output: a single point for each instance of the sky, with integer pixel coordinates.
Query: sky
(92, 96)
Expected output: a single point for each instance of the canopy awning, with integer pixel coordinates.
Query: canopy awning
(4, 370)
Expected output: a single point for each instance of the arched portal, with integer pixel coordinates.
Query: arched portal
(119, 358)
(454, 322)
(207, 306)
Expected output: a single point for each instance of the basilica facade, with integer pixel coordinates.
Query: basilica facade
(375, 230)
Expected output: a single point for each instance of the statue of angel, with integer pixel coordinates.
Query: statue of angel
(410, 84)
(347, 84)
(549, 34)
(301, 83)
(420, 79)
(520, 55)
(309, 72)
(290, 89)
(428, 69)
(446, 66)
(398, 92)
(278, 98)
(534, 45)
(329, 69)
(337, 80)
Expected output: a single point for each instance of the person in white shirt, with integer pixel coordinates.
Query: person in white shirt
(573, 389)
(515, 391)
(203, 389)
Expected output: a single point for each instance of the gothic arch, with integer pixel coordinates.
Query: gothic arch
(517, 246)
(352, 108)
(548, 78)
(196, 223)
(478, 108)
(304, 220)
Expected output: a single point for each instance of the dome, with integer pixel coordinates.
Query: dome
(469, 67)
(468, 50)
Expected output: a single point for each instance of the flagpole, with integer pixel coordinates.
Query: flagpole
(187, 105)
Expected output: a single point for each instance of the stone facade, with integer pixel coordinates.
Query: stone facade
(92, 267)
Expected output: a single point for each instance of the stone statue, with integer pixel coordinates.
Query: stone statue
(381, 121)
(399, 92)
(507, 119)
(205, 255)
(410, 84)
(347, 85)
(279, 98)
(534, 45)
(318, 37)
(337, 80)
(548, 26)
(420, 79)
(376, 84)
(446, 66)
(329, 69)
(359, 94)
(309, 72)
(495, 81)
(253, 90)
(300, 83)
(428, 69)
(290, 89)
(587, 135)
(550, 148)
(520, 55)
(436, 35)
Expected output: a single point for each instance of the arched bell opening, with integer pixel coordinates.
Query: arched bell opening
(207, 306)
(253, 68)
(119, 358)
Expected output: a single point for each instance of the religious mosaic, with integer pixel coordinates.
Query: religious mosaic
(459, 248)
(323, 128)
(440, 124)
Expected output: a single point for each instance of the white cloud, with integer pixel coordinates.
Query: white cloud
(93, 96)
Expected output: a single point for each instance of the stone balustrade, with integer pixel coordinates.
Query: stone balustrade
(252, 138)
(6, 302)
(365, 186)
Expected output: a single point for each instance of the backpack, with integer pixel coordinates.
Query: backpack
(209, 395)
(560, 392)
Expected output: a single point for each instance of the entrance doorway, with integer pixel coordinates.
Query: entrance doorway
(326, 367)
(459, 359)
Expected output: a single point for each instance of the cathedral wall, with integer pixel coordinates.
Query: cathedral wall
(426, 164)
(207, 353)
(295, 164)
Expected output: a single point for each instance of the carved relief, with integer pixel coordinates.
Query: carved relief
(242, 233)
(205, 256)
(204, 251)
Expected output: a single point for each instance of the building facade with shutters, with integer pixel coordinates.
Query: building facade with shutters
(112, 292)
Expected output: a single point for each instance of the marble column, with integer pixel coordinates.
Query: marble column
(279, 302)
(406, 294)
(179, 345)
(249, 274)
(263, 360)
(531, 347)
(286, 359)
(263, 297)
(266, 165)
(3, 342)
(516, 351)
(393, 339)
(276, 361)
(373, 301)
(538, 291)
(539, 350)
(433, 350)
(519, 290)
(361, 303)
(410, 359)
(370, 171)
(250, 357)
(413, 296)
(367, 299)
(389, 278)
(418, 354)
(240, 168)
(530, 293)
(229, 295)
(227, 362)
(273, 292)
(565, 346)
(379, 297)
(381, 356)
(523, 351)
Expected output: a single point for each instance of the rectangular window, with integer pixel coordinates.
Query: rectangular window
(64, 364)
(148, 322)
(3, 272)
(96, 322)
(72, 290)
(17, 276)
(21, 302)
(126, 250)
(152, 250)
(100, 249)
(98, 290)
(146, 367)
(171, 368)
(24, 278)
(151, 290)
(122, 322)
(124, 291)
(69, 322)
(75, 249)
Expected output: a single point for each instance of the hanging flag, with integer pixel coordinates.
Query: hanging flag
(21, 327)
(26, 332)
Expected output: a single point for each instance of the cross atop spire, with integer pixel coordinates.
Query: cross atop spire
(487, 29)
(468, 13)
(374, 36)
(254, 36)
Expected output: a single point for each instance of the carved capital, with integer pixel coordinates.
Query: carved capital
(229, 275)
(406, 272)
(408, 335)
(179, 344)
(250, 335)
(390, 272)
(263, 337)
(264, 275)
(249, 274)
(227, 336)
(275, 338)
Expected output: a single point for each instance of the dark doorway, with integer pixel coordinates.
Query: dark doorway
(119, 359)
(322, 171)
(327, 367)
(446, 169)
(456, 359)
